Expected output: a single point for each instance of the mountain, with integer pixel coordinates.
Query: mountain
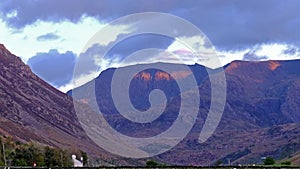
(261, 115)
(32, 110)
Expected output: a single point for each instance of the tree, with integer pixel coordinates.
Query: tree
(26, 154)
(66, 158)
(19, 157)
(10, 146)
(20, 162)
(152, 163)
(269, 161)
(287, 163)
(84, 157)
(1, 152)
(50, 158)
(37, 155)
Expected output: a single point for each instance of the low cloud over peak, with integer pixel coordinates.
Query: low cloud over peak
(48, 37)
(54, 67)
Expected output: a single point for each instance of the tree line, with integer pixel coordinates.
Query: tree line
(16, 153)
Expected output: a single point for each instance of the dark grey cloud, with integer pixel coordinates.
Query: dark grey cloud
(54, 67)
(139, 42)
(58, 10)
(251, 56)
(120, 51)
(291, 51)
(240, 24)
(48, 37)
(229, 24)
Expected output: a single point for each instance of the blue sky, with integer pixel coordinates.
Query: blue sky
(50, 35)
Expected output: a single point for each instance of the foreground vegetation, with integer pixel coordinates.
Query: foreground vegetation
(15, 153)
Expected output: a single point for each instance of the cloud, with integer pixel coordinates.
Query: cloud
(251, 56)
(242, 24)
(73, 36)
(240, 30)
(92, 61)
(59, 10)
(121, 50)
(54, 67)
(48, 37)
(261, 52)
(135, 43)
(12, 14)
(230, 25)
(291, 51)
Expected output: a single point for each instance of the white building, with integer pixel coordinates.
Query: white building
(76, 162)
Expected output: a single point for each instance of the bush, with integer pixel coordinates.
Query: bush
(20, 162)
(286, 163)
(269, 161)
(152, 163)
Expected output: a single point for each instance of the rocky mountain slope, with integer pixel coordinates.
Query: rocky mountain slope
(261, 116)
(32, 110)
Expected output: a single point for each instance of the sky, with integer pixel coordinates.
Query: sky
(51, 35)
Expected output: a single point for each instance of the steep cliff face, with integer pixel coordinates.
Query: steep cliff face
(31, 109)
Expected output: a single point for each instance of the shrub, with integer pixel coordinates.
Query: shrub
(269, 161)
(152, 163)
(286, 163)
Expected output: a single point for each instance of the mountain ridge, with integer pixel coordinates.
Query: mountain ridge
(260, 97)
(33, 110)
(260, 118)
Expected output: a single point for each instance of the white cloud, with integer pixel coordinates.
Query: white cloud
(12, 14)
(195, 49)
(275, 51)
(109, 34)
(73, 36)
(229, 56)
(79, 81)
(268, 51)
(65, 88)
